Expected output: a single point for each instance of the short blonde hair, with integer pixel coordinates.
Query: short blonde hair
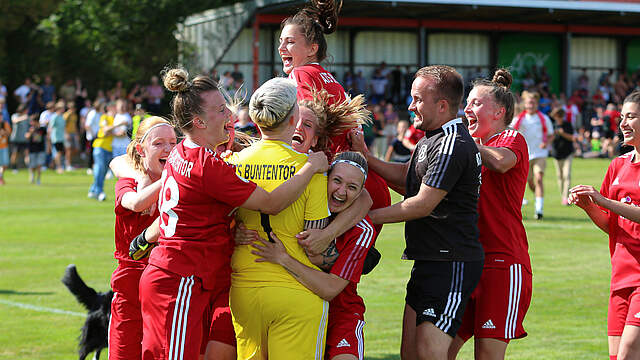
(273, 103)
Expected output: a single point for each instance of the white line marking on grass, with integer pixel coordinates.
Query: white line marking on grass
(41, 308)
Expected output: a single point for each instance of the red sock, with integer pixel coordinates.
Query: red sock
(613, 357)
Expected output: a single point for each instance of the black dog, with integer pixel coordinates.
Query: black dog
(96, 327)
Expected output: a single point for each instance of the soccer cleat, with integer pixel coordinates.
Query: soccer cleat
(538, 216)
(92, 195)
(102, 196)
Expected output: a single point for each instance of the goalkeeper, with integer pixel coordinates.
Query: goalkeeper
(135, 209)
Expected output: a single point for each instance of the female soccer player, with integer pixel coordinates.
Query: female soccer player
(302, 48)
(135, 210)
(498, 305)
(345, 338)
(274, 316)
(615, 211)
(189, 268)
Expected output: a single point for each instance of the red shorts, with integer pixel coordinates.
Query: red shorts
(624, 309)
(174, 312)
(498, 305)
(125, 324)
(344, 336)
(220, 327)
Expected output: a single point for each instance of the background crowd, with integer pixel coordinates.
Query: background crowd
(61, 121)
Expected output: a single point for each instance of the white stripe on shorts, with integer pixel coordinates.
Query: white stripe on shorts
(179, 323)
(321, 331)
(454, 299)
(515, 288)
(360, 338)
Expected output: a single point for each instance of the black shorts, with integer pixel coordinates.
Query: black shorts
(438, 291)
(59, 147)
(19, 147)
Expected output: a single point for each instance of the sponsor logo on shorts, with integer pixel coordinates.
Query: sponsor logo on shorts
(488, 325)
(429, 312)
(637, 315)
(343, 343)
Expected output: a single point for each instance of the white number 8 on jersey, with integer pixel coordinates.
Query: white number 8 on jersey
(166, 205)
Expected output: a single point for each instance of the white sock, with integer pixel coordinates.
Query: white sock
(539, 205)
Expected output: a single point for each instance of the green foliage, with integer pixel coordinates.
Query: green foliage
(100, 41)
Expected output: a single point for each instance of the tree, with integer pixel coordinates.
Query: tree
(100, 41)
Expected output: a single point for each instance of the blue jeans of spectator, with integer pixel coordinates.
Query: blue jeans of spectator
(101, 159)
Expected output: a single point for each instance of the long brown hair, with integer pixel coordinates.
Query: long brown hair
(187, 101)
(316, 20)
(499, 88)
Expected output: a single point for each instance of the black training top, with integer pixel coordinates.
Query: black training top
(446, 158)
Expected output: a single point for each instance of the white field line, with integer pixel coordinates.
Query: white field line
(41, 308)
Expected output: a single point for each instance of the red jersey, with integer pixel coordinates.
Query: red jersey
(502, 233)
(199, 194)
(413, 135)
(352, 246)
(614, 119)
(314, 76)
(129, 224)
(621, 183)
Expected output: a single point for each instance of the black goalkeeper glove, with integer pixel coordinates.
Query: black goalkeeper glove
(140, 247)
(371, 260)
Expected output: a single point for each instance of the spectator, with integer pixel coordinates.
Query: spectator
(3, 91)
(36, 135)
(4, 113)
(598, 98)
(360, 83)
(562, 152)
(238, 77)
(91, 126)
(226, 81)
(22, 92)
(19, 143)
(139, 115)
(45, 116)
(378, 87)
(136, 95)
(102, 146)
(572, 113)
(528, 82)
(56, 135)
(537, 130)
(544, 104)
(122, 123)
(395, 91)
(583, 82)
(397, 152)
(68, 91)
(155, 94)
(119, 91)
(71, 139)
(620, 88)
(5, 131)
(48, 90)
(3, 103)
(245, 125)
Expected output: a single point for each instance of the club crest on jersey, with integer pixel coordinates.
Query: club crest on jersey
(422, 153)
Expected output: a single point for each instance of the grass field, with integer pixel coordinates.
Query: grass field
(45, 228)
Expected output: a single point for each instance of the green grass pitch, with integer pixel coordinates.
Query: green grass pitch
(45, 228)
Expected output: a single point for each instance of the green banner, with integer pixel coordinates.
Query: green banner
(633, 56)
(520, 52)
